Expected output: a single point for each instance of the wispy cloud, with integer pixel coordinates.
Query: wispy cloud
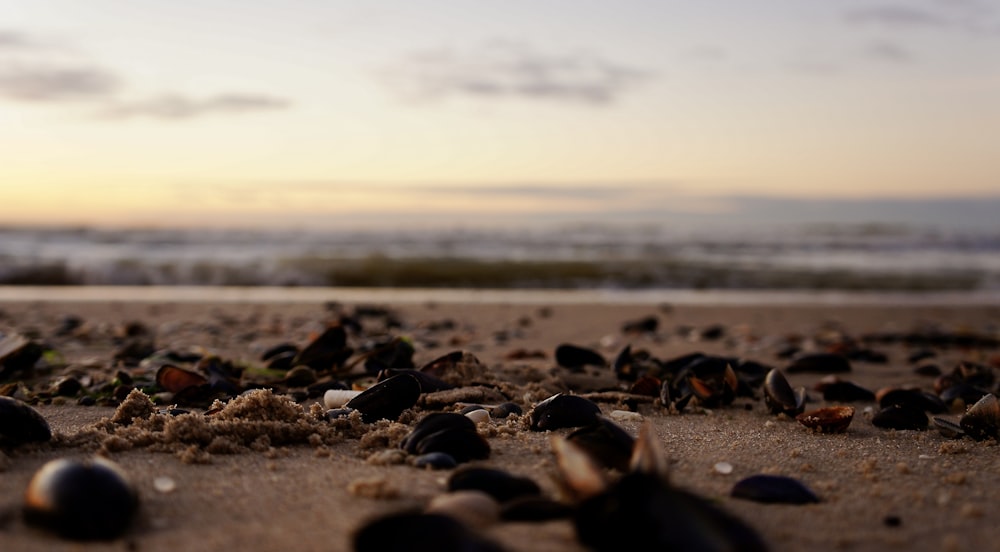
(957, 15)
(176, 106)
(31, 71)
(51, 84)
(883, 50)
(503, 70)
(898, 16)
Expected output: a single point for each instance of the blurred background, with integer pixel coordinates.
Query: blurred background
(779, 144)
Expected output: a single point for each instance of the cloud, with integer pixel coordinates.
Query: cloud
(50, 84)
(887, 51)
(898, 16)
(502, 69)
(12, 39)
(175, 106)
(960, 15)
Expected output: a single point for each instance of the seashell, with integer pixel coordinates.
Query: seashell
(561, 411)
(830, 419)
(948, 428)
(478, 415)
(642, 511)
(779, 396)
(387, 399)
(576, 357)
(819, 363)
(711, 379)
(962, 393)
(336, 398)
(300, 376)
(982, 420)
(401, 531)
(429, 383)
(283, 361)
(474, 508)
(279, 350)
(773, 489)
(447, 432)
(836, 390)
(502, 486)
(396, 352)
(606, 442)
(327, 351)
(534, 509)
(646, 385)
(174, 379)
(83, 500)
(434, 461)
(17, 354)
(20, 423)
(504, 410)
(646, 324)
(912, 398)
(900, 417)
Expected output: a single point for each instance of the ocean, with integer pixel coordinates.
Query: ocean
(609, 257)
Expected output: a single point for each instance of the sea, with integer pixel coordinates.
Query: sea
(596, 258)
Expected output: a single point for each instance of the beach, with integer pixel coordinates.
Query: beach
(878, 489)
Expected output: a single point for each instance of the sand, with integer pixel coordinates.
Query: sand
(880, 489)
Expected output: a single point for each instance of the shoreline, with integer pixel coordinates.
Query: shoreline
(273, 295)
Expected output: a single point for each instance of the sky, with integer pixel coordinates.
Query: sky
(308, 112)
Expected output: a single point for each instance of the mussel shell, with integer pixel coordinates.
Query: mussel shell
(499, 484)
(845, 391)
(912, 398)
(82, 500)
(779, 395)
(576, 357)
(641, 512)
(175, 379)
(606, 442)
(504, 410)
(562, 411)
(830, 419)
(429, 383)
(328, 350)
(18, 354)
(418, 531)
(773, 489)
(20, 423)
(982, 420)
(448, 432)
(534, 509)
(819, 363)
(901, 418)
(387, 399)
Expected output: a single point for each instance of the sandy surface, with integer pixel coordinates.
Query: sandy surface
(942, 492)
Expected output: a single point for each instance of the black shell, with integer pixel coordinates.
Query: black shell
(606, 442)
(447, 432)
(561, 411)
(387, 399)
(773, 489)
(576, 357)
(779, 396)
(501, 485)
(820, 363)
(83, 500)
(20, 423)
(900, 417)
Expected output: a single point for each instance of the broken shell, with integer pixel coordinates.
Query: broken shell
(830, 419)
(982, 420)
(85, 500)
(336, 398)
(779, 396)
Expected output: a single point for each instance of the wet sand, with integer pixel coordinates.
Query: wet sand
(880, 489)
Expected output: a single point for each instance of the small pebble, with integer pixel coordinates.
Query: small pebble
(164, 484)
(724, 468)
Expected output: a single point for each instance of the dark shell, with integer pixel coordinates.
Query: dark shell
(575, 357)
(830, 419)
(327, 351)
(387, 399)
(501, 485)
(396, 352)
(429, 383)
(967, 394)
(447, 432)
(279, 350)
(435, 461)
(837, 390)
(503, 410)
(88, 500)
(641, 512)
(948, 428)
(900, 417)
(175, 379)
(20, 423)
(18, 354)
(561, 411)
(646, 324)
(911, 398)
(779, 396)
(982, 420)
(773, 489)
(534, 509)
(606, 442)
(624, 365)
(416, 531)
(443, 364)
(819, 363)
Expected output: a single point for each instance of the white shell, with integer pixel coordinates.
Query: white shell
(336, 398)
(478, 415)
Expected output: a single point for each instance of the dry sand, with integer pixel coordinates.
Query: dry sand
(311, 496)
